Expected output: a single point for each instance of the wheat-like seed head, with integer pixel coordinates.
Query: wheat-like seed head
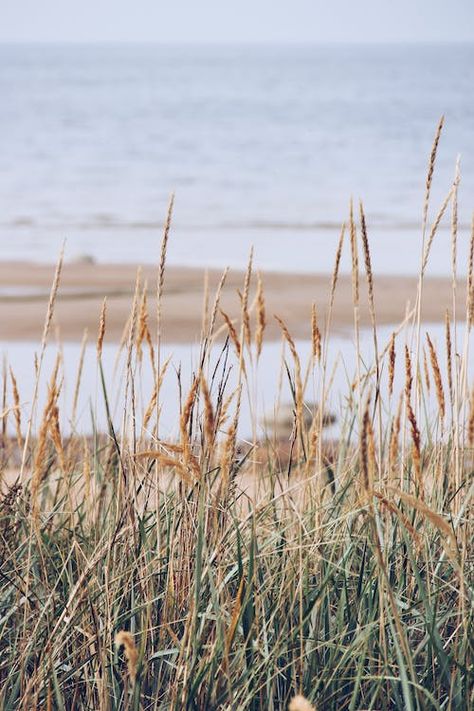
(132, 333)
(354, 256)
(247, 333)
(186, 416)
(470, 279)
(315, 334)
(41, 447)
(163, 250)
(222, 411)
(337, 263)
(232, 333)
(454, 221)
(80, 368)
(313, 443)
(142, 328)
(17, 408)
(367, 261)
(154, 396)
(394, 436)
(300, 703)
(391, 364)
(408, 375)
(101, 334)
(371, 455)
(215, 308)
(125, 639)
(416, 447)
(52, 298)
(188, 470)
(228, 450)
(55, 431)
(426, 371)
(261, 316)
(431, 165)
(437, 377)
(298, 381)
(393, 508)
(434, 229)
(449, 356)
(209, 420)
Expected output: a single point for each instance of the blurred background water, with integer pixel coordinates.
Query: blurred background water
(269, 389)
(263, 146)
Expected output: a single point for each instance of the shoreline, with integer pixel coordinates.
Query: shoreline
(25, 287)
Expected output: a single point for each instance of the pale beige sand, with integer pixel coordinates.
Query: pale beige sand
(24, 295)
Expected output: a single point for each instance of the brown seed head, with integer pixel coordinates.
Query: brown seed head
(300, 703)
(315, 334)
(437, 378)
(125, 639)
(261, 317)
(368, 262)
(232, 333)
(416, 447)
(449, 356)
(209, 422)
(101, 334)
(408, 375)
(17, 408)
(470, 278)
(391, 364)
(431, 165)
(247, 333)
(426, 371)
(337, 263)
(355, 257)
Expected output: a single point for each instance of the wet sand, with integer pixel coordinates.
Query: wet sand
(24, 293)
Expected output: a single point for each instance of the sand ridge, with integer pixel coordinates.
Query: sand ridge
(24, 293)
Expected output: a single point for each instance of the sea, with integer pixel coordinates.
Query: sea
(262, 146)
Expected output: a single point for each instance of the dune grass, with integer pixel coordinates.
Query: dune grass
(138, 573)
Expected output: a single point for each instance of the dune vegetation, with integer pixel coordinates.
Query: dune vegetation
(199, 571)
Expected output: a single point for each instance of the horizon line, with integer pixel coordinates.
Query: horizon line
(235, 43)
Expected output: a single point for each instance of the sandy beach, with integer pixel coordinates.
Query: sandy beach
(24, 294)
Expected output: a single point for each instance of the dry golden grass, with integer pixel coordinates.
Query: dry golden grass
(282, 573)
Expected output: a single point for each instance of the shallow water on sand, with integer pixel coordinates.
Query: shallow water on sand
(264, 388)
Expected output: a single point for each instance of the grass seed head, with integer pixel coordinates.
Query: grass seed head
(391, 364)
(125, 639)
(315, 334)
(300, 703)
(101, 334)
(437, 378)
(261, 316)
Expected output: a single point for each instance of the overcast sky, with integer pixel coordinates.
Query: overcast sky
(236, 21)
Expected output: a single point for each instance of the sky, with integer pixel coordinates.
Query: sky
(210, 21)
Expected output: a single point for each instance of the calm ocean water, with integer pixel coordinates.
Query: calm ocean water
(263, 146)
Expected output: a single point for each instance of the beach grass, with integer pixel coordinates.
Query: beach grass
(203, 572)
